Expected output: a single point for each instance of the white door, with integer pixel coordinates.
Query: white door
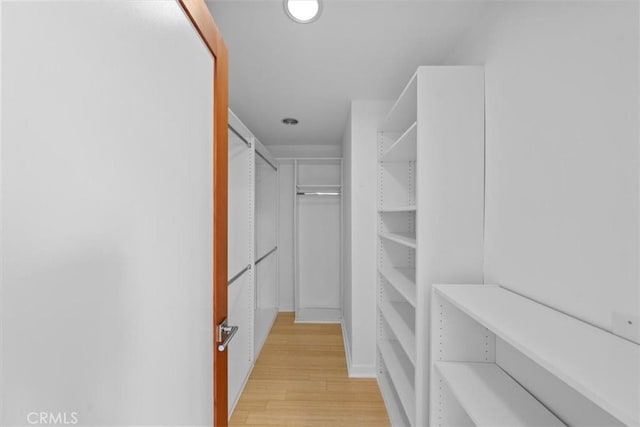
(106, 215)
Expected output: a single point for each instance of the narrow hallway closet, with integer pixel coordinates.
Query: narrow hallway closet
(331, 213)
(457, 218)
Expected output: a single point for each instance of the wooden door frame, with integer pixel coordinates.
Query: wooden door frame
(201, 18)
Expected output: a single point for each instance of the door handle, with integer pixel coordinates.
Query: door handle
(229, 331)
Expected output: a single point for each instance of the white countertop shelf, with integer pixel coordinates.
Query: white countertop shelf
(601, 366)
(406, 239)
(403, 279)
(492, 398)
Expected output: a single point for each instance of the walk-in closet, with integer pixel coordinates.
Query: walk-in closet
(438, 230)
(319, 213)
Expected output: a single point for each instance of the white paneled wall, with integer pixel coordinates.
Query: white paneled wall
(106, 214)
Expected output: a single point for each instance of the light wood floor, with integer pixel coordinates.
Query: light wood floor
(300, 379)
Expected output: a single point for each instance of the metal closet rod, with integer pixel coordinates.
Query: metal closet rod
(237, 276)
(266, 255)
(267, 160)
(240, 136)
(316, 193)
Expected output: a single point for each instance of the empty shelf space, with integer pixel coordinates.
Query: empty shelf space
(404, 111)
(401, 376)
(601, 366)
(403, 279)
(391, 400)
(400, 318)
(490, 397)
(394, 209)
(404, 148)
(406, 239)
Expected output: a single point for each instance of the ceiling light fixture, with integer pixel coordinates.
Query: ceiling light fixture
(303, 11)
(290, 121)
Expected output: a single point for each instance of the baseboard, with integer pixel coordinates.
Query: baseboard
(347, 347)
(318, 315)
(362, 371)
(355, 371)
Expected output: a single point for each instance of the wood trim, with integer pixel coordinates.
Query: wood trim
(201, 18)
(220, 227)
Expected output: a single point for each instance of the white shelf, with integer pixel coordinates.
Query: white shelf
(318, 315)
(406, 239)
(401, 379)
(394, 209)
(404, 148)
(403, 280)
(319, 186)
(395, 410)
(400, 317)
(404, 111)
(601, 366)
(492, 398)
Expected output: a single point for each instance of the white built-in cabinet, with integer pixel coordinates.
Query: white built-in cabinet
(252, 252)
(317, 239)
(430, 222)
(486, 340)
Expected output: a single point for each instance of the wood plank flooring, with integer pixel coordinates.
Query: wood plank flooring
(300, 379)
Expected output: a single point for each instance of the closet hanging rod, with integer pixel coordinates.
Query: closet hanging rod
(237, 276)
(240, 136)
(266, 255)
(267, 160)
(317, 193)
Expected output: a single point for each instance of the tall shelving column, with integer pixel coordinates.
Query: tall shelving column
(430, 221)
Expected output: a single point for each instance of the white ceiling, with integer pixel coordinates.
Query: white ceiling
(356, 50)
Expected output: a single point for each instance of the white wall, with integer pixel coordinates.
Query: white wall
(347, 220)
(106, 214)
(361, 212)
(285, 234)
(562, 152)
(305, 150)
(561, 164)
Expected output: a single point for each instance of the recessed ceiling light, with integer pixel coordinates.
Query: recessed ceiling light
(303, 11)
(290, 121)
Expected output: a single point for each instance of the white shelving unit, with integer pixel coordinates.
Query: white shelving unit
(317, 241)
(600, 366)
(241, 280)
(429, 138)
(492, 398)
(266, 240)
(252, 282)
